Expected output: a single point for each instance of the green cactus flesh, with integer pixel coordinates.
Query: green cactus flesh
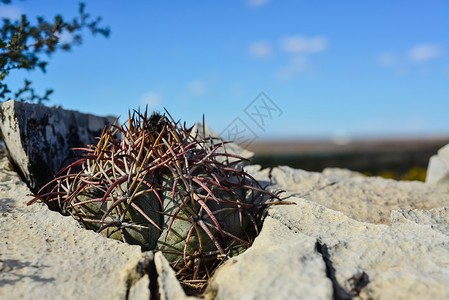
(135, 228)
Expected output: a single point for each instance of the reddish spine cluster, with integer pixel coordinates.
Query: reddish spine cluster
(155, 183)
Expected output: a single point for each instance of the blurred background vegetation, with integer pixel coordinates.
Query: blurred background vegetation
(405, 159)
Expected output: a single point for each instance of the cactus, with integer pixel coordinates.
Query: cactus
(157, 184)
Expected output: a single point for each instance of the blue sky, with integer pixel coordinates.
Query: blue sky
(334, 69)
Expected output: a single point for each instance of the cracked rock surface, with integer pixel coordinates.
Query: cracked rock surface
(332, 245)
(346, 237)
(44, 255)
(365, 199)
(281, 264)
(403, 261)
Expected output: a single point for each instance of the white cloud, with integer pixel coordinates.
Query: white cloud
(197, 87)
(260, 49)
(10, 12)
(411, 61)
(422, 53)
(256, 3)
(151, 99)
(298, 64)
(387, 59)
(299, 49)
(303, 45)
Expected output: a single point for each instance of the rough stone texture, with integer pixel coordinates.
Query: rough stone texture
(438, 170)
(281, 264)
(436, 218)
(44, 255)
(338, 172)
(366, 199)
(137, 276)
(408, 260)
(375, 261)
(140, 290)
(346, 236)
(39, 138)
(169, 287)
(363, 260)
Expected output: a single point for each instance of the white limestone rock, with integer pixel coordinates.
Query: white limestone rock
(140, 290)
(436, 218)
(366, 199)
(169, 286)
(375, 261)
(339, 172)
(281, 264)
(438, 169)
(137, 276)
(307, 251)
(44, 255)
(345, 237)
(359, 259)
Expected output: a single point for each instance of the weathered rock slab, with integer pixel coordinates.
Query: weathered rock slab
(140, 290)
(438, 169)
(403, 261)
(281, 264)
(366, 199)
(360, 257)
(39, 138)
(169, 286)
(44, 255)
(347, 236)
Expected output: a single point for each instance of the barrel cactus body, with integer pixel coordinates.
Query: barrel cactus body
(121, 222)
(157, 184)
